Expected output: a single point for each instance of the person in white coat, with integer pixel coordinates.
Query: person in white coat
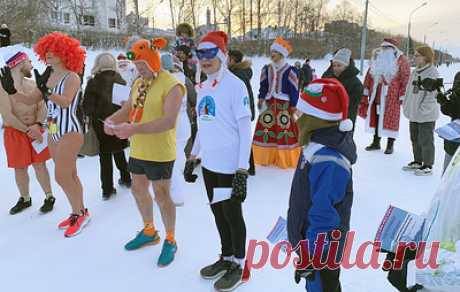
(183, 127)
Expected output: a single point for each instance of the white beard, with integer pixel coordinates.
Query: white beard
(384, 64)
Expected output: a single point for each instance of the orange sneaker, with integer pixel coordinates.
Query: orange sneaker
(76, 223)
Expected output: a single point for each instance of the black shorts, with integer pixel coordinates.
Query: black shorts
(152, 169)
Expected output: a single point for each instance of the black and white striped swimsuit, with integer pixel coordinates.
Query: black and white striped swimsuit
(62, 121)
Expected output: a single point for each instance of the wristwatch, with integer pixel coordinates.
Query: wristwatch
(47, 93)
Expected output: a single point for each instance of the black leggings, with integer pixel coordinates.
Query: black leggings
(228, 215)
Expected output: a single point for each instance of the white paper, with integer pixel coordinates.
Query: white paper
(450, 132)
(40, 147)
(120, 94)
(221, 194)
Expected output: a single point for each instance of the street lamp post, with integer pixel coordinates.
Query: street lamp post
(409, 26)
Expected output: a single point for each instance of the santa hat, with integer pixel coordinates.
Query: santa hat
(326, 99)
(390, 42)
(281, 46)
(149, 52)
(14, 59)
(215, 39)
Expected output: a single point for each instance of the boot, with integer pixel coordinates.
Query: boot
(390, 145)
(375, 145)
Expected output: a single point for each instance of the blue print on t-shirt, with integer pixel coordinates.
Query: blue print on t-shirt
(207, 108)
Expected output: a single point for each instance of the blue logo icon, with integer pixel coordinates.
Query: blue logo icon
(207, 108)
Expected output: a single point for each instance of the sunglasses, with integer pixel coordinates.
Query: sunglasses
(207, 53)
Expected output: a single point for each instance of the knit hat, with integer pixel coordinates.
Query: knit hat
(281, 46)
(390, 42)
(327, 99)
(215, 39)
(4, 25)
(148, 52)
(237, 55)
(13, 59)
(104, 62)
(342, 56)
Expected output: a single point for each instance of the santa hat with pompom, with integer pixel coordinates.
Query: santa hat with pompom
(215, 39)
(328, 100)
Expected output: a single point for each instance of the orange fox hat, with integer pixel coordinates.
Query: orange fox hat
(282, 46)
(148, 52)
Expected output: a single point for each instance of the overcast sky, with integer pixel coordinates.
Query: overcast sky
(391, 16)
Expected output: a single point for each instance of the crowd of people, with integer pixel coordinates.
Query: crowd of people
(185, 107)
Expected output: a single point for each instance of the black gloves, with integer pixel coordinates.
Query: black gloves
(7, 80)
(41, 81)
(239, 186)
(308, 274)
(188, 171)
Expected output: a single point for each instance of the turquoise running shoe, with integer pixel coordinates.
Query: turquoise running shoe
(142, 240)
(167, 253)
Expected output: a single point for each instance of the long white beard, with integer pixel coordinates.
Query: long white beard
(384, 64)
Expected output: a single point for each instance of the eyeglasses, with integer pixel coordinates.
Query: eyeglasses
(207, 53)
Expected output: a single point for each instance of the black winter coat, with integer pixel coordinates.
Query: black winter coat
(354, 86)
(244, 72)
(451, 108)
(97, 105)
(5, 35)
(306, 76)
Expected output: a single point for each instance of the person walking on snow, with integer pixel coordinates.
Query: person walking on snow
(384, 85)
(24, 125)
(149, 120)
(223, 110)
(322, 188)
(275, 139)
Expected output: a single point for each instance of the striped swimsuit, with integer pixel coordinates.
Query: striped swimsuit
(61, 120)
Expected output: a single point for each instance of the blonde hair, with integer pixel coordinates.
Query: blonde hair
(104, 62)
(427, 53)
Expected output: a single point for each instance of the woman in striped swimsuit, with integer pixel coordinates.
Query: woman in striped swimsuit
(60, 85)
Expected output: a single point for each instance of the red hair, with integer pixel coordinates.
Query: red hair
(63, 46)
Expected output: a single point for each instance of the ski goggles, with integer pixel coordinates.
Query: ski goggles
(131, 56)
(207, 54)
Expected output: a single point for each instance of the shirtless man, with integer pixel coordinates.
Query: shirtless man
(23, 124)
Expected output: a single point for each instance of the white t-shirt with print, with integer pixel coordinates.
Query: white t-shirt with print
(218, 110)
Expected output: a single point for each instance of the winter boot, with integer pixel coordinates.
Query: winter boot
(390, 145)
(21, 205)
(375, 145)
(125, 183)
(109, 194)
(215, 270)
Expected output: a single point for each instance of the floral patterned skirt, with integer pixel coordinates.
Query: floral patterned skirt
(275, 140)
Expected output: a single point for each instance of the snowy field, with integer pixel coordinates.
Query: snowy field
(35, 256)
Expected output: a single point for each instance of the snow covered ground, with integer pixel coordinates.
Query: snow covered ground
(35, 256)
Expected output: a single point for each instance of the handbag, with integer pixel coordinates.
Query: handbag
(90, 145)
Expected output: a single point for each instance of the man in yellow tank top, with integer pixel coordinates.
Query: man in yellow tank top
(149, 120)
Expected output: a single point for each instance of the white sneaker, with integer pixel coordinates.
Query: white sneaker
(412, 166)
(424, 171)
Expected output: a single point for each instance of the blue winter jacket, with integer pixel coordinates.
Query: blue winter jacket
(322, 191)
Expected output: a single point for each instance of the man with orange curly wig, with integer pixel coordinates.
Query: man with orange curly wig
(149, 120)
(59, 86)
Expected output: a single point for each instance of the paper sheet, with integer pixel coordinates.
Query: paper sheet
(40, 147)
(221, 194)
(120, 94)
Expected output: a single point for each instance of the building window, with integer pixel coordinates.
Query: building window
(112, 23)
(54, 15)
(87, 20)
(66, 18)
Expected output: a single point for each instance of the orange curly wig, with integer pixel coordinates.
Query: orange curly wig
(63, 46)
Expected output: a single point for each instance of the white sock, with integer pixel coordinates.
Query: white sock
(239, 261)
(228, 259)
(26, 198)
(48, 195)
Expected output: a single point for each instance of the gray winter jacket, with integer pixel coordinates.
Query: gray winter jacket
(419, 105)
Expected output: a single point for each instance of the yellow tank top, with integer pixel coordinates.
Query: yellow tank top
(158, 147)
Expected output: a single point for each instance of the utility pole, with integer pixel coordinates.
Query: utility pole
(364, 38)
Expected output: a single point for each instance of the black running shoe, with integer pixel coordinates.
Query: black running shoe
(231, 280)
(48, 205)
(20, 206)
(215, 270)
